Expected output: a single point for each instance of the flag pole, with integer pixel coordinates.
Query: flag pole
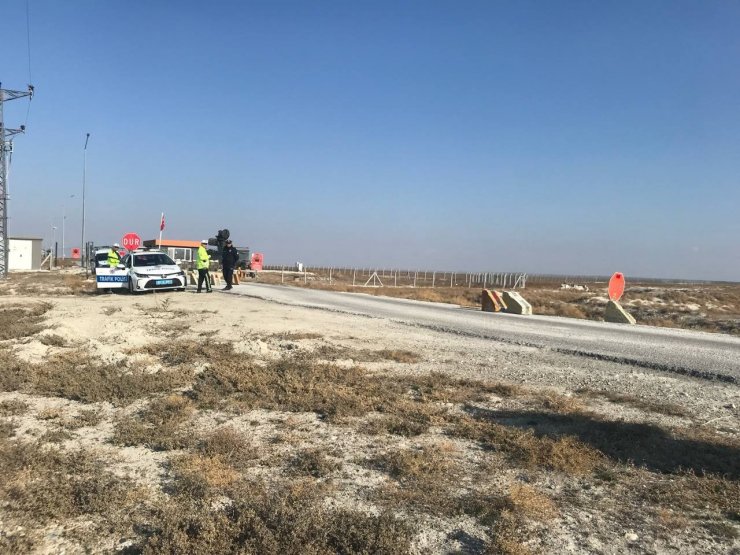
(161, 227)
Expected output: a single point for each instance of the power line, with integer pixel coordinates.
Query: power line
(28, 39)
(28, 43)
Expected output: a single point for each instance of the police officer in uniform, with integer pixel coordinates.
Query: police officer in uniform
(229, 258)
(203, 261)
(114, 259)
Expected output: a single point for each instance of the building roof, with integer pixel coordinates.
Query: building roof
(172, 243)
(26, 238)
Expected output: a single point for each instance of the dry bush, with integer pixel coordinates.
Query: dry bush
(399, 355)
(334, 352)
(82, 379)
(296, 335)
(16, 374)
(176, 353)
(531, 503)
(565, 454)
(695, 493)
(159, 426)
(7, 428)
(198, 476)
(84, 418)
(294, 383)
(419, 467)
(231, 446)
(18, 321)
(668, 409)
(13, 407)
(560, 441)
(439, 387)
(407, 423)
(312, 462)
(53, 340)
(57, 435)
(509, 515)
(289, 519)
(173, 328)
(78, 285)
(43, 485)
(75, 375)
(560, 404)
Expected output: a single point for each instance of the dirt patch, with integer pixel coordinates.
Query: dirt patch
(270, 439)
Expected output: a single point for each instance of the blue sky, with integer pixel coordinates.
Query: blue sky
(548, 137)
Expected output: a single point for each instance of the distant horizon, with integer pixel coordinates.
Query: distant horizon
(567, 138)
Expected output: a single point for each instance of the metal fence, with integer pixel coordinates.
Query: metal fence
(393, 277)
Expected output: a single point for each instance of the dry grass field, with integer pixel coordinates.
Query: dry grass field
(712, 307)
(180, 423)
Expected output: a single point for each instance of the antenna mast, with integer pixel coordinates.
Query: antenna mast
(6, 147)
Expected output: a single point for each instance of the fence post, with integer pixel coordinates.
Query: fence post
(282, 275)
(354, 274)
(395, 279)
(434, 274)
(452, 277)
(305, 275)
(415, 274)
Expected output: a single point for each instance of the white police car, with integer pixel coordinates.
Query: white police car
(149, 270)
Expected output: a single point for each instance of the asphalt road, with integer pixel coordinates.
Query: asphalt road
(699, 354)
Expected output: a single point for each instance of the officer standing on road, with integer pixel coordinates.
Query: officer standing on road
(202, 263)
(114, 259)
(229, 258)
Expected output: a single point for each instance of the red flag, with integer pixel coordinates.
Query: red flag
(161, 223)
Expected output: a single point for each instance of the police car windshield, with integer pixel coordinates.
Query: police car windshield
(152, 259)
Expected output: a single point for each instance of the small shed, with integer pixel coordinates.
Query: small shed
(178, 250)
(24, 253)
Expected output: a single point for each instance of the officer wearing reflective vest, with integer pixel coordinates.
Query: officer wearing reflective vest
(114, 259)
(203, 261)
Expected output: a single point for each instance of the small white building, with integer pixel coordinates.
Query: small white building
(24, 253)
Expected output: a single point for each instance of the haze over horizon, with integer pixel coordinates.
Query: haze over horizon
(565, 137)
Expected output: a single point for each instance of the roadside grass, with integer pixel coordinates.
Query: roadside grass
(291, 518)
(160, 425)
(17, 321)
(48, 485)
(83, 419)
(296, 335)
(444, 448)
(335, 352)
(13, 407)
(668, 409)
(526, 449)
(312, 462)
(7, 428)
(75, 375)
(46, 284)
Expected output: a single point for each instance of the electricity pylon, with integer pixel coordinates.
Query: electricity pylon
(6, 147)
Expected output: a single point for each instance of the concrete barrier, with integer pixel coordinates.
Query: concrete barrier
(515, 303)
(491, 301)
(616, 314)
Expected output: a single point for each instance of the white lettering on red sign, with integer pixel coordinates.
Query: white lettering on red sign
(131, 241)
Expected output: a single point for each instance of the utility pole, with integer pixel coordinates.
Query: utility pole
(84, 262)
(6, 147)
(64, 219)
